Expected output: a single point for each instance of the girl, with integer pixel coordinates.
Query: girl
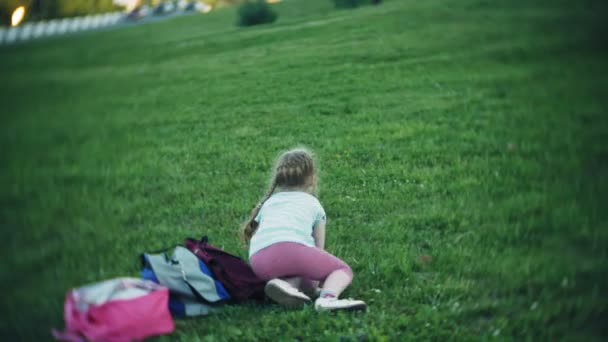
(286, 233)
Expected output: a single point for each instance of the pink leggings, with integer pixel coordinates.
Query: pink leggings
(289, 259)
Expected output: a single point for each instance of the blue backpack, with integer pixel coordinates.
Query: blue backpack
(193, 290)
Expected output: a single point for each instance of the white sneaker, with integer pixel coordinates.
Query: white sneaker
(335, 304)
(285, 294)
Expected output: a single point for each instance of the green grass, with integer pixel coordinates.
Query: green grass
(462, 146)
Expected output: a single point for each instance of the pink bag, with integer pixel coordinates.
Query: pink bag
(117, 310)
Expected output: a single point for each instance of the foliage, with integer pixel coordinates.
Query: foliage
(212, 3)
(349, 4)
(72, 8)
(463, 160)
(256, 12)
(49, 9)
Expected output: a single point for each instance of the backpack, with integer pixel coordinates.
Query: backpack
(234, 273)
(117, 310)
(193, 289)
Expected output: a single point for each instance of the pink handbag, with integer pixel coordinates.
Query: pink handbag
(117, 310)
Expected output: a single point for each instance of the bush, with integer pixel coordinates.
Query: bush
(355, 3)
(255, 13)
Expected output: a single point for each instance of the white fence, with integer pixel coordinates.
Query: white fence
(56, 27)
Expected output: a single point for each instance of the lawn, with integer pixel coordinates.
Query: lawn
(462, 144)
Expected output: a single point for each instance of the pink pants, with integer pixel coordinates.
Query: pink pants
(289, 259)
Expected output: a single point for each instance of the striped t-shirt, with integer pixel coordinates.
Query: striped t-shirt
(288, 216)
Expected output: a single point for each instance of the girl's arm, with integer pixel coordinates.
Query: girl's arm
(319, 235)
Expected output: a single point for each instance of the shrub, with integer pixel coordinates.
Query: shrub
(255, 13)
(355, 3)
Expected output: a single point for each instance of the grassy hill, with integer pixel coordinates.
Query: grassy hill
(462, 146)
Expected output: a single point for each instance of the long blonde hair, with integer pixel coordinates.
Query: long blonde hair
(294, 169)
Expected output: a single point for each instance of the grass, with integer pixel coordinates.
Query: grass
(462, 144)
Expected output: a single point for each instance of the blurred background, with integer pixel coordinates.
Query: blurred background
(462, 143)
(24, 20)
(34, 10)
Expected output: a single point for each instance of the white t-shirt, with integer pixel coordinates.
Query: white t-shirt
(288, 216)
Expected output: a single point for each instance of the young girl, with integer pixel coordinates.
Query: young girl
(286, 233)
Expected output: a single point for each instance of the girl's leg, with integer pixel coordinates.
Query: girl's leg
(294, 281)
(286, 291)
(287, 260)
(309, 287)
(336, 282)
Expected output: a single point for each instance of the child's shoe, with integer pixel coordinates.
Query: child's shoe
(285, 294)
(335, 304)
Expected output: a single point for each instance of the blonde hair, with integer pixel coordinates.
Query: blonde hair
(294, 169)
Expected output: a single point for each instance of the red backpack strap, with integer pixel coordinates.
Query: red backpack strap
(195, 245)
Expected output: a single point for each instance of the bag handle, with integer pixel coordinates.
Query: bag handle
(141, 258)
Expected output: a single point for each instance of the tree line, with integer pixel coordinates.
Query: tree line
(49, 9)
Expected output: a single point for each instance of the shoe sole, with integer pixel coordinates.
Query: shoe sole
(277, 294)
(352, 308)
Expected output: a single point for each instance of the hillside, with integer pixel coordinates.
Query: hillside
(462, 147)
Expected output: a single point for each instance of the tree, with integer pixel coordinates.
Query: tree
(50, 9)
(72, 8)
